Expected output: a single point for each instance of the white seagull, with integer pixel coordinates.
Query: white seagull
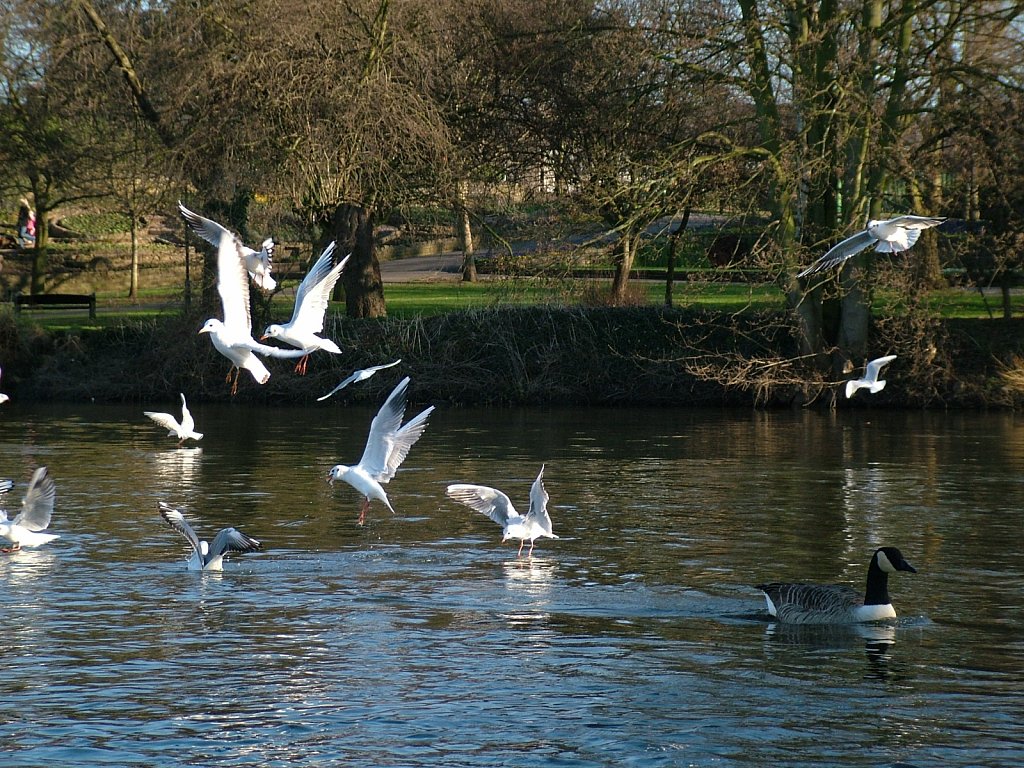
(870, 380)
(361, 375)
(232, 337)
(3, 398)
(311, 300)
(36, 510)
(891, 236)
(185, 430)
(257, 263)
(386, 448)
(206, 556)
(497, 506)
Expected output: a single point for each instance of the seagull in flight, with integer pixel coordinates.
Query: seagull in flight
(386, 448)
(3, 398)
(311, 300)
(185, 430)
(870, 380)
(887, 235)
(232, 336)
(497, 506)
(206, 556)
(361, 375)
(25, 530)
(257, 263)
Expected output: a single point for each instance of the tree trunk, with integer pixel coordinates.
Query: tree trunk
(40, 255)
(465, 232)
(670, 261)
(855, 314)
(625, 252)
(133, 281)
(364, 289)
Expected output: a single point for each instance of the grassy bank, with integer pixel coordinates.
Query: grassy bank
(519, 355)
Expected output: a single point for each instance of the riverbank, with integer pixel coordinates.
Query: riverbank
(519, 355)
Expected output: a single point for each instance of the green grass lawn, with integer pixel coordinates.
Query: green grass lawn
(424, 299)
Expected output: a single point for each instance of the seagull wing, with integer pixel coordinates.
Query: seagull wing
(917, 222)
(178, 522)
(188, 424)
(233, 287)
(165, 420)
(314, 293)
(401, 442)
(384, 425)
(488, 501)
(6, 485)
(232, 540)
(209, 230)
(388, 443)
(37, 506)
(840, 252)
(539, 505)
(232, 277)
(875, 367)
(345, 382)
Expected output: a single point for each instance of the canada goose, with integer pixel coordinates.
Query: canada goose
(837, 603)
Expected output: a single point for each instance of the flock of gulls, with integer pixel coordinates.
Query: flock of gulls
(390, 440)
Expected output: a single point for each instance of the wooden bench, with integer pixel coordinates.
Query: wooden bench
(56, 301)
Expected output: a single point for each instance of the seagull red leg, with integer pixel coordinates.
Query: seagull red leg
(363, 510)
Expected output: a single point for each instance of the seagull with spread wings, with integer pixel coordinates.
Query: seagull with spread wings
(869, 380)
(386, 448)
(3, 398)
(206, 556)
(497, 506)
(25, 530)
(257, 263)
(311, 300)
(183, 430)
(887, 235)
(232, 336)
(361, 375)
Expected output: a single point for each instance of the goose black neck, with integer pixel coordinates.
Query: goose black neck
(877, 592)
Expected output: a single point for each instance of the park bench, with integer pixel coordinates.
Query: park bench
(56, 301)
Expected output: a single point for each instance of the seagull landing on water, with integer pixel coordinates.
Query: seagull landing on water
(185, 430)
(36, 510)
(206, 556)
(257, 263)
(311, 300)
(361, 375)
(887, 235)
(497, 506)
(870, 379)
(232, 336)
(386, 448)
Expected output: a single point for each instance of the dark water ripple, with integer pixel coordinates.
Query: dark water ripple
(635, 640)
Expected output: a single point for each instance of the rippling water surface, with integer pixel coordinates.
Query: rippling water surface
(634, 640)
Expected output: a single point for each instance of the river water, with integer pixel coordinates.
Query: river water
(636, 639)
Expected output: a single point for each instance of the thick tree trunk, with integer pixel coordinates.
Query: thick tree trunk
(40, 257)
(364, 289)
(625, 252)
